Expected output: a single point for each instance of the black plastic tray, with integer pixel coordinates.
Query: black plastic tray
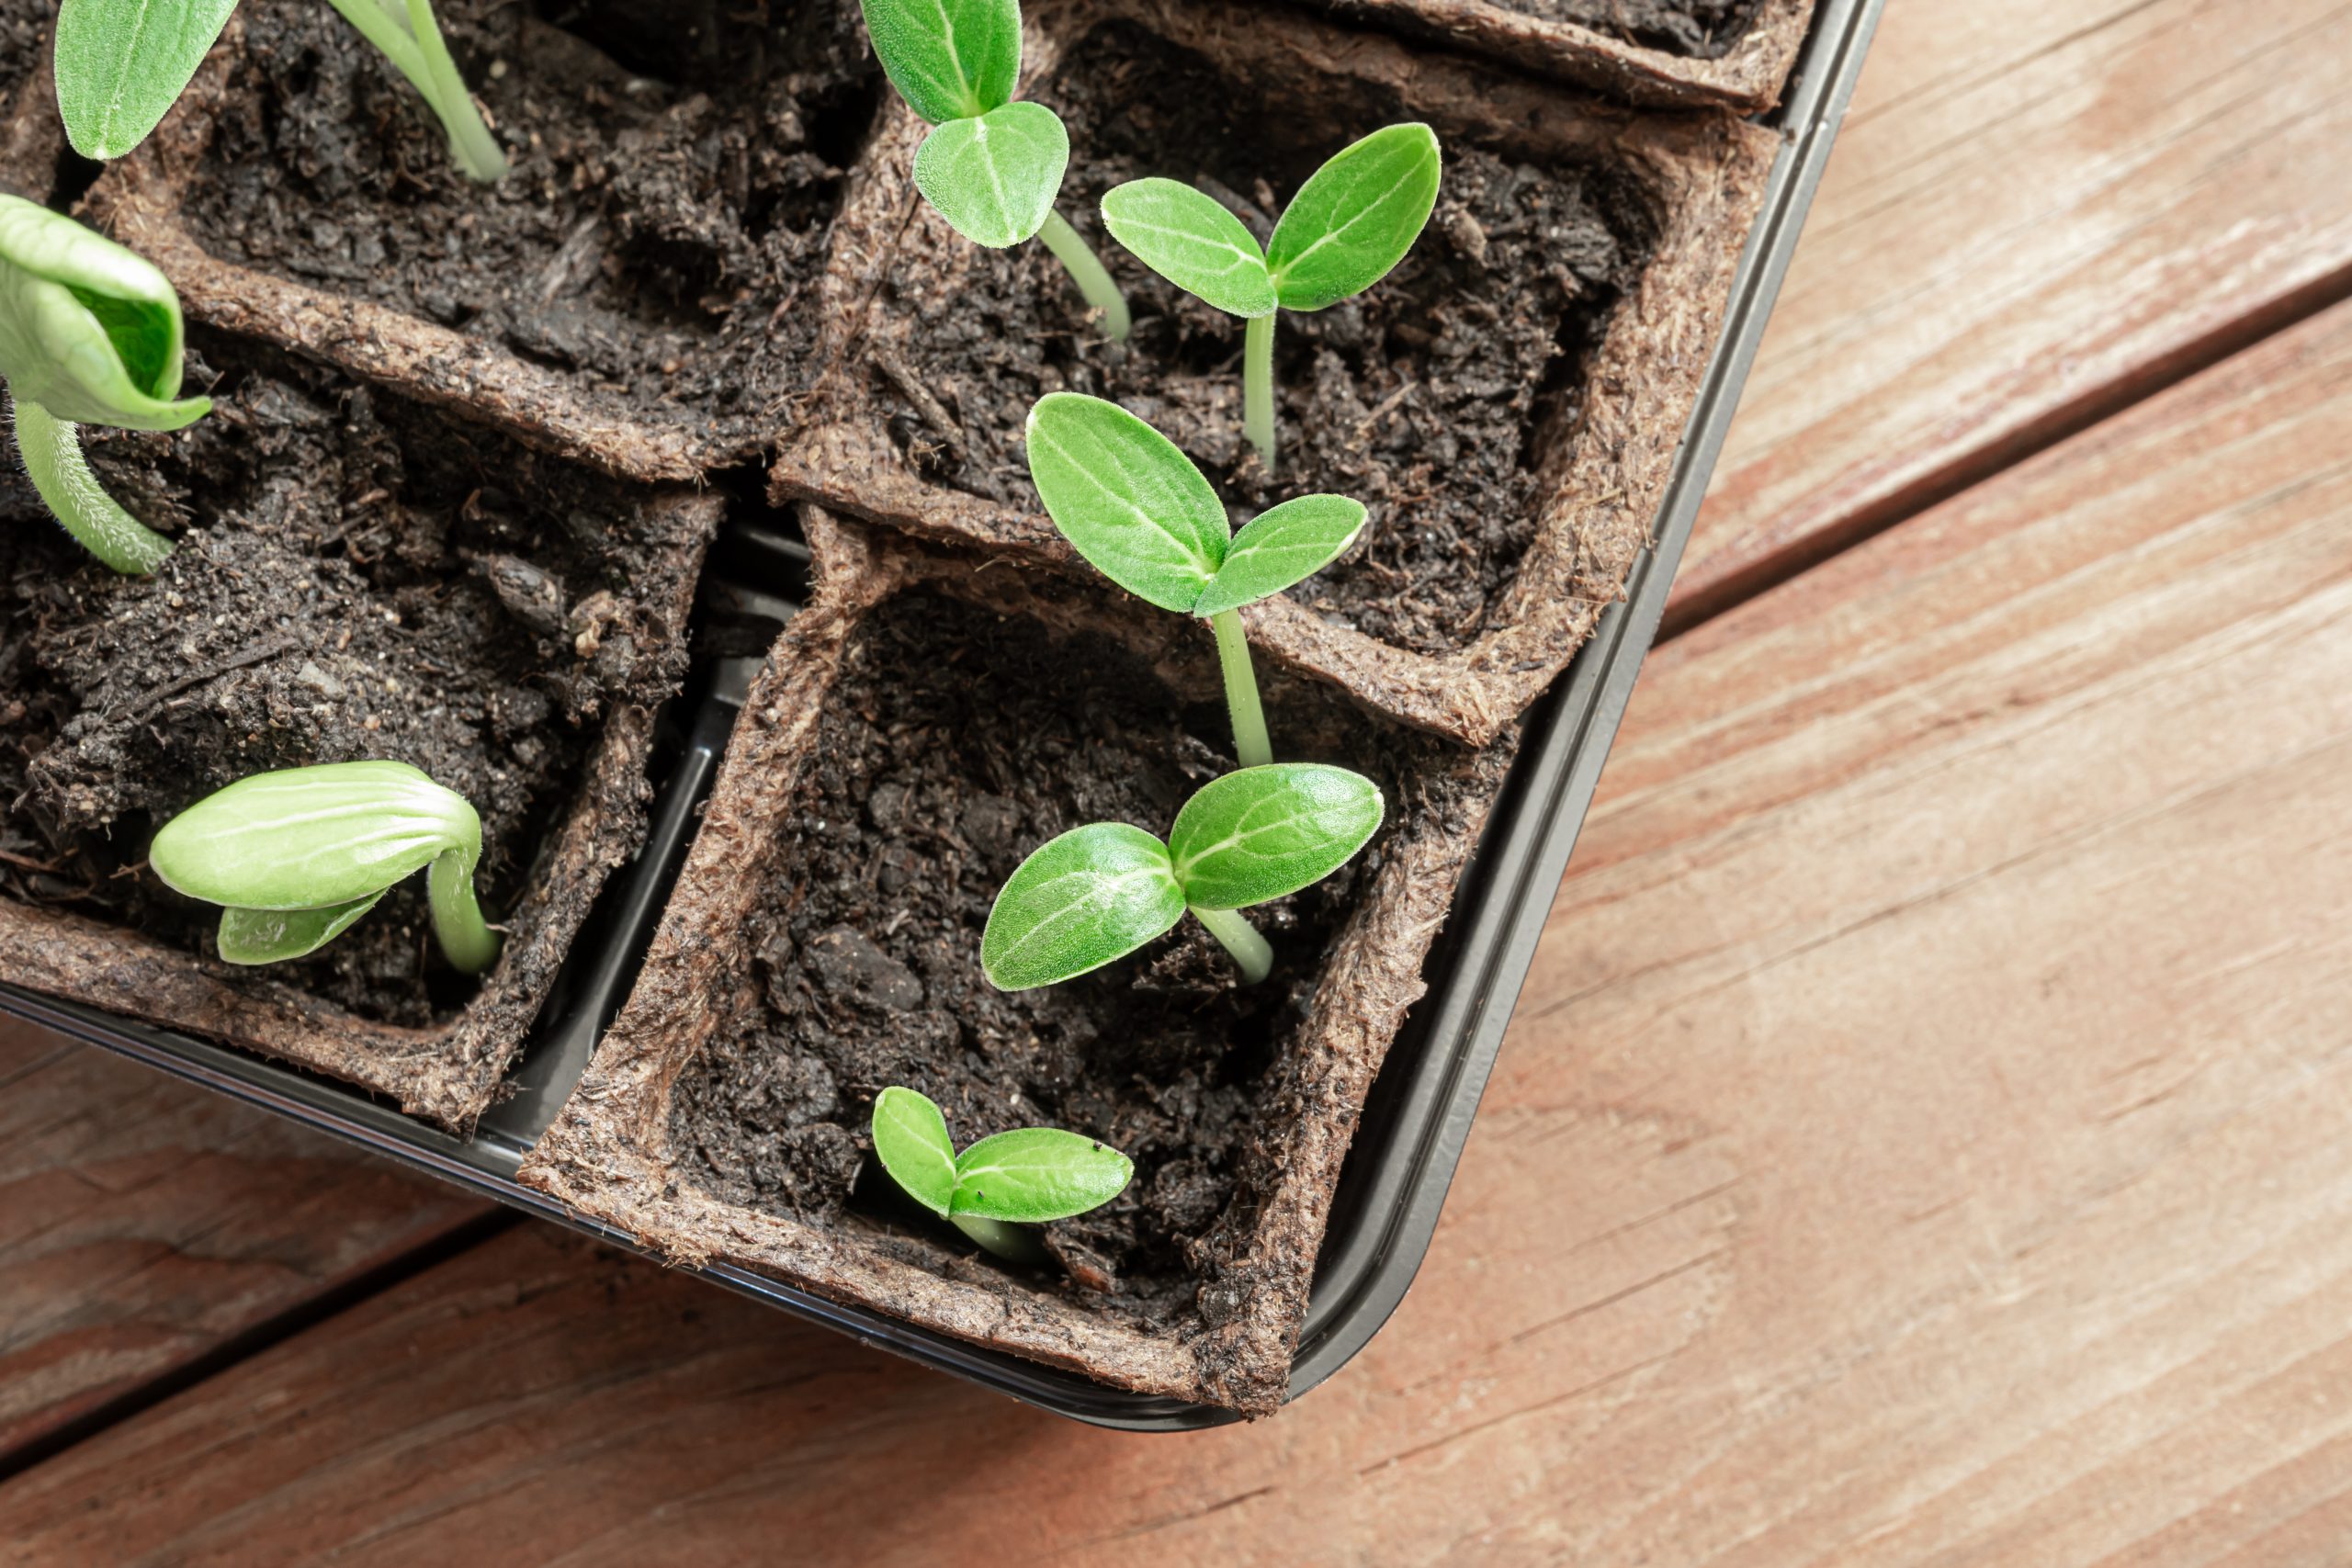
(1420, 1110)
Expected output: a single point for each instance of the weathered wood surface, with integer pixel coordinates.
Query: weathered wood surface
(142, 1223)
(2034, 212)
(1927, 1139)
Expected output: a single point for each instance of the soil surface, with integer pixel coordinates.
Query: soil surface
(1703, 29)
(371, 579)
(956, 741)
(1431, 397)
(677, 169)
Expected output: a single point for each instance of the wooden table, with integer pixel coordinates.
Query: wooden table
(1925, 1138)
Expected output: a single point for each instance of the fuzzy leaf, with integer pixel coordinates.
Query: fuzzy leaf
(949, 59)
(1036, 1174)
(911, 1139)
(89, 330)
(312, 838)
(1281, 548)
(122, 64)
(272, 936)
(1126, 498)
(1191, 240)
(1355, 218)
(994, 178)
(1260, 833)
(1090, 896)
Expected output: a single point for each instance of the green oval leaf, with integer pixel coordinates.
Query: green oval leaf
(1355, 218)
(949, 59)
(1126, 498)
(89, 330)
(122, 64)
(1036, 1174)
(1189, 238)
(272, 936)
(994, 178)
(312, 838)
(1264, 832)
(1281, 548)
(911, 1139)
(1082, 900)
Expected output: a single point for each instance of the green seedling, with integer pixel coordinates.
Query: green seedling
(1347, 227)
(999, 1186)
(992, 166)
(294, 857)
(1139, 511)
(90, 333)
(1098, 892)
(122, 64)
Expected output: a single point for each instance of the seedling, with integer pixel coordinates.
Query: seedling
(294, 857)
(1139, 511)
(1098, 892)
(90, 333)
(1347, 227)
(991, 166)
(999, 1186)
(122, 64)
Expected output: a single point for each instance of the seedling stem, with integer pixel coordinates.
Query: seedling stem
(1086, 270)
(466, 938)
(411, 41)
(1252, 744)
(1257, 387)
(1239, 938)
(52, 448)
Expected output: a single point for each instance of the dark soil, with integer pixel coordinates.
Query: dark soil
(677, 169)
(372, 579)
(956, 741)
(1429, 398)
(1703, 29)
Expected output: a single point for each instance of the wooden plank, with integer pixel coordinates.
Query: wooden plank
(142, 1223)
(2034, 214)
(1924, 1140)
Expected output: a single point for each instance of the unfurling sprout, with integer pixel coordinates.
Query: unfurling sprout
(1000, 1185)
(1347, 227)
(991, 166)
(1098, 892)
(1138, 510)
(122, 64)
(294, 857)
(90, 333)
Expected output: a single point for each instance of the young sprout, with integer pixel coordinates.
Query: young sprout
(991, 166)
(999, 1186)
(122, 64)
(90, 333)
(1136, 508)
(294, 857)
(1098, 892)
(1348, 225)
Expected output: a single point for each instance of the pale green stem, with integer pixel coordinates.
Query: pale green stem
(417, 51)
(52, 448)
(466, 938)
(1251, 743)
(1086, 269)
(1258, 387)
(1014, 1244)
(1240, 939)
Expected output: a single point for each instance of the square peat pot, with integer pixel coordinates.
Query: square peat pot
(1334, 1252)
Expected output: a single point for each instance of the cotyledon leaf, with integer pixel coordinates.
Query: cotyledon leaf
(1081, 900)
(122, 64)
(1127, 499)
(1261, 833)
(994, 177)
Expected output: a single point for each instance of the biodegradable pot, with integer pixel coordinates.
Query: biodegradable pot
(1509, 403)
(1747, 75)
(356, 575)
(1238, 1103)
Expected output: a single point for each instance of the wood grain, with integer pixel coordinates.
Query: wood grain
(1924, 1142)
(2034, 214)
(142, 1222)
